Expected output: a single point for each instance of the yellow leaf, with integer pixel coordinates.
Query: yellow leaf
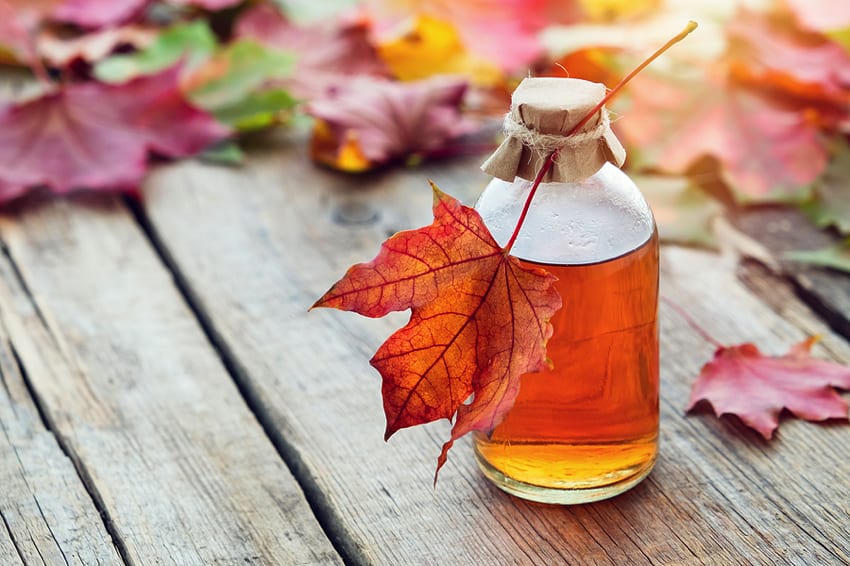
(607, 10)
(341, 154)
(433, 46)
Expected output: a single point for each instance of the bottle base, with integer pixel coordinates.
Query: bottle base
(565, 495)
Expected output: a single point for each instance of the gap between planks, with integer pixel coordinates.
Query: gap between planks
(282, 531)
(49, 426)
(316, 499)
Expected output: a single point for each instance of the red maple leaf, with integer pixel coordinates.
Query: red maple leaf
(479, 321)
(742, 381)
(95, 136)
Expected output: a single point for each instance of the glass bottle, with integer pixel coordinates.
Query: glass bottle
(588, 428)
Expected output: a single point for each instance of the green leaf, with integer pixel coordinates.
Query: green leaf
(257, 110)
(226, 152)
(835, 257)
(239, 69)
(311, 11)
(193, 42)
(682, 211)
(231, 85)
(831, 203)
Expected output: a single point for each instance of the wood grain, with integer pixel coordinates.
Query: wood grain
(46, 514)
(266, 240)
(783, 230)
(131, 387)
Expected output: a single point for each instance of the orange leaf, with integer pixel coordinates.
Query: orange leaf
(479, 321)
(594, 64)
(770, 53)
(742, 381)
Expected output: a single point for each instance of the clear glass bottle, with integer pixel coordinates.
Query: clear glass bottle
(587, 429)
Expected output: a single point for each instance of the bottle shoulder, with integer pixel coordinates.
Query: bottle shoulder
(599, 218)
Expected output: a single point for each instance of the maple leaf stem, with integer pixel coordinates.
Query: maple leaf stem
(692, 323)
(547, 165)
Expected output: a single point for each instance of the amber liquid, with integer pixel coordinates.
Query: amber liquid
(587, 429)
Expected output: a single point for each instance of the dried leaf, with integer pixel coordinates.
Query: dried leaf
(833, 257)
(17, 22)
(503, 33)
(772, 54)
(608, 10)
(95, 136)
(193, 43)
(343, 154)
(831, 203)
(211, 5)
(821, 15)
(597, 64)
(767, 149)
(326, 55)
(61, 50)
(226, 152)
(742, 381)
(479, 321)
(305, 12)
(240, 85)
(391, 120)
(96, 13)
(434, 47)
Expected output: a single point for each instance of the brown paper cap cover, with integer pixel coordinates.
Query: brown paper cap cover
(543, 110)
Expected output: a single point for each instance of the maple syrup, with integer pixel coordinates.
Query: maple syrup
(586, 429)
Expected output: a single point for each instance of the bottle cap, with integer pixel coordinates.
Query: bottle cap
(543, 111)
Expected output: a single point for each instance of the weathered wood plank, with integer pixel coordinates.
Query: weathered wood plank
(46, 514)
(275, 235)
(787, 492)
(782, 230)
(134, 391)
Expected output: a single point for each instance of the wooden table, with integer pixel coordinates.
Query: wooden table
(166, 397)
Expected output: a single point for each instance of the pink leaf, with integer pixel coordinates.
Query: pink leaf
(13, 35)
(742, 381)
(821, 15)
(504, 32)
(97, 13)
(777, 55)
(767, 150)
(326, 55)
(392, 119)
(211, 5)
(95, 136)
